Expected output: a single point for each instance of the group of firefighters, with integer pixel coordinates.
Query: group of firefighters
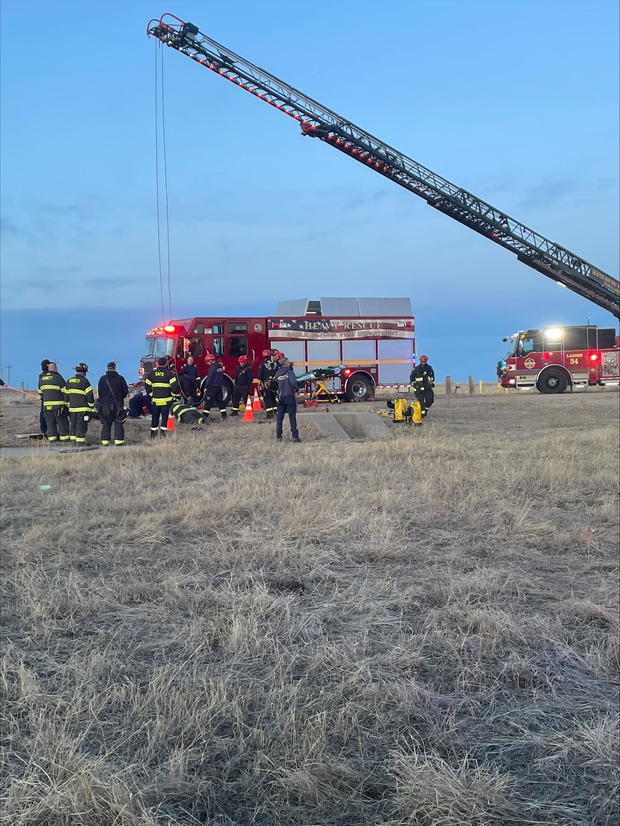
(67, 407)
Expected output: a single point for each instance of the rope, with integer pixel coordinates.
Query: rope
(159, 260)
(165, 165)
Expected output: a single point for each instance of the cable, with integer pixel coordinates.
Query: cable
(165, 165)
(159, 262)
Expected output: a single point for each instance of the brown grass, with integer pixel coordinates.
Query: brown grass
(222, 630)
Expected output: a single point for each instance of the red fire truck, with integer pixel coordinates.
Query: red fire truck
(558, 358)
(371, 340)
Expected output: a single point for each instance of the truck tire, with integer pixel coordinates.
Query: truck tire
(227, 391)
(552, 381)
(359, 388)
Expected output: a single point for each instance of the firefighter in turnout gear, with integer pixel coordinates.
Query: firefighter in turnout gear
(186, 414)
(243, 384)
(161, 384)
(422, 379)
(214, 387)
(267, 380)
(112, 391)
(81, 403)
(51, 386)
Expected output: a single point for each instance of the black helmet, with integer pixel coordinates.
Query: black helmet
(81, 367)
(45, 364)
(162, 362)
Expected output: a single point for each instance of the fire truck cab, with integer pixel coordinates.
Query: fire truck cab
(370, 340)
(555, 359)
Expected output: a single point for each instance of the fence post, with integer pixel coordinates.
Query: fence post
(480, 387)
(471, 385)
(22, 387)
(448, 385)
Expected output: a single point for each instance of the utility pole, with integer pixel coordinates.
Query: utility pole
(9, 367)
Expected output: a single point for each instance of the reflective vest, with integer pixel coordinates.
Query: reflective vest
(51, 390)
(79, 395)
(160, 385)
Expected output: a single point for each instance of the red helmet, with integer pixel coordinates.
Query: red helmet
(423, 359)
(242, 359)
(279, 355)
(209, 357)
(266, 353)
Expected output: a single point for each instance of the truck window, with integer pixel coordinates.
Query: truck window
(238, 327)
(238, 346)
(218, 346)
(199, 329)
(606, 338)
(526, 346)
(192, 347)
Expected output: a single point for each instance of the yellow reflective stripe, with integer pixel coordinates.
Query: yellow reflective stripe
(79, 439)
(54, 404)
(119, 441)
(160, 384)
(81, 409)
(161, 402)
(77, 390)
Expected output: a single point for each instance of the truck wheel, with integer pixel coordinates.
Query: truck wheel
(552, 381)
(359, 389)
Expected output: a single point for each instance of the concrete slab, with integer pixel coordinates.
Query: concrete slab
(327, 425)
(366, 426)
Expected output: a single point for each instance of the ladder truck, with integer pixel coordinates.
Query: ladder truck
(317, 121)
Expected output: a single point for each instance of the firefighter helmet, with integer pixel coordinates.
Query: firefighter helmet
(81, 367)
(209, 357)
(423, 359)
(279, 355)
(242, 359)
(266, 353)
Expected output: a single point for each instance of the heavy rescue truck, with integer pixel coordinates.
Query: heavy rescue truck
(559, 358)
(371, 340)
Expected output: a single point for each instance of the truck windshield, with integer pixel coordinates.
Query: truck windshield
(158, 346)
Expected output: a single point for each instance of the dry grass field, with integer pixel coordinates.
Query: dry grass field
(223, 630)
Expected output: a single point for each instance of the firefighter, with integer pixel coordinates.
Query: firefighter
(42, 423)
(243, 384)
(287, 403)
(214, 383)
(140, 405)
(423, 380)
(161, 385)
(267, 381)
(112, 392)
(81, 403)
(186, 414)
(51, 386)
(188, 377)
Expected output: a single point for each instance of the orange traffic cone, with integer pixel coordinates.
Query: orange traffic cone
(256, 406)
(248, 416)
(171, 426)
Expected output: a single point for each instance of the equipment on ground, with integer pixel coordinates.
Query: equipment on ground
(317, 121)
(556, 359)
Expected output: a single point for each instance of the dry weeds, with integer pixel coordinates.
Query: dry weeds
(222, 630)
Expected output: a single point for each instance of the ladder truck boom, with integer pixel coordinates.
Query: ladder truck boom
(318, 121)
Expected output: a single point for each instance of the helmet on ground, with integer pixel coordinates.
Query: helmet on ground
(81, 367)
(242, 359)
(423, 359)
(266, 353)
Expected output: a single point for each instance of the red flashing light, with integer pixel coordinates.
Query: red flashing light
(347, 372)
(169, 328)
(593, 356)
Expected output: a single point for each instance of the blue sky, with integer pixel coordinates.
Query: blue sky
(516, 102)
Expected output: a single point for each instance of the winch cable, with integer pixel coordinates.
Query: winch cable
(157, 210)
(165, 170)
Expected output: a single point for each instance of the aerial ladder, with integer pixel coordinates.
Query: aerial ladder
(317, 121)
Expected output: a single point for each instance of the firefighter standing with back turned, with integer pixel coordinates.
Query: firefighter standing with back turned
(81, 402)
(51, 386)
(423, 380)
(267, 379)
(243, 384)
(112, 391)
(161, 384)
